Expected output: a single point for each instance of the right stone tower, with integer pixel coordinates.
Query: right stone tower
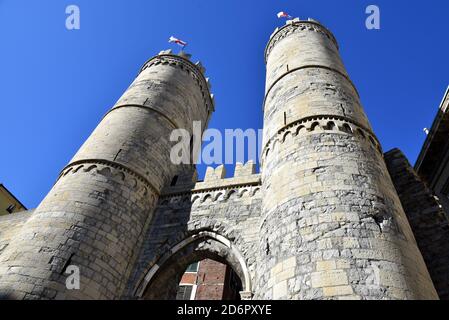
(333, 226)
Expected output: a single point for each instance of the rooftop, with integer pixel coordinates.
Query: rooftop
(434, 145)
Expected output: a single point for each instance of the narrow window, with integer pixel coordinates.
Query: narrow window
(11, 208)
(193, 267)
(184, 292)
(173, 181)
(191, 150)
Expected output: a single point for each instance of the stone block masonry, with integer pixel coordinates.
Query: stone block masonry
(426, 216)
(322, 220)
(215, 219)
(329, 208)
(96, 213)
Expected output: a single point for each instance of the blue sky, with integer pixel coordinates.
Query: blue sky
(56, 84)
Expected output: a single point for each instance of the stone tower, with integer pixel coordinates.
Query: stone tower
(95, 215)
(332, 224)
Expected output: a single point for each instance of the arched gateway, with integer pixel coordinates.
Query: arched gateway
(162, 279)
(214, 219)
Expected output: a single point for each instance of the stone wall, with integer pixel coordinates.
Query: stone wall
(10, 225)
(426, 216)
(215, 219)
(332, 224)
(97, 212)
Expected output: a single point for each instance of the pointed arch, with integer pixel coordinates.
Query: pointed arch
(202, 244)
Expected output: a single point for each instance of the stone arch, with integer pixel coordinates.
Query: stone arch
(360, 133)
(300, 129)
(254, 191)
(242, 192)
(229, 194)
(267, 152)
(194, 198)
(185, 199)
(105, 171)
(77, 168)
(285, 136)
(199, 245)
(65, 173)
(90, 168)
(218, 195)
(346, 128)
(330, 126)
(314, 126)
(206, 197)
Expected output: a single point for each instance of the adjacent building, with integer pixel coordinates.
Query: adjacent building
(433, 161)
(209, 280)
(8, 202)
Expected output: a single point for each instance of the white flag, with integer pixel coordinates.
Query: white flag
(177, 41)
(283, 14)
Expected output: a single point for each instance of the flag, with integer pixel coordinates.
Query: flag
(177, 41)
(283, 14)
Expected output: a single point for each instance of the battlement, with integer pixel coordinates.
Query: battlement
(241, 170)
(244, 174)
(219, 173)
(181, 54)
(215, 178)
(182, 60)
(297, 25)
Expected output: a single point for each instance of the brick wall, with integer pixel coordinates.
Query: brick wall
(211, 281)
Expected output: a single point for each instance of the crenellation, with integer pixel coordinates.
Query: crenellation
(200, 66)
(209, 84)
(292, 21)
(165, 52)
(274, 32)
(313, 20)
(194, 70)
(242, 170)
(215, 174)
(187, 56)
(214, 185)
(297, 26)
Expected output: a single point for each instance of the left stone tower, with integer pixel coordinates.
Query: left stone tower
(95, 214)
